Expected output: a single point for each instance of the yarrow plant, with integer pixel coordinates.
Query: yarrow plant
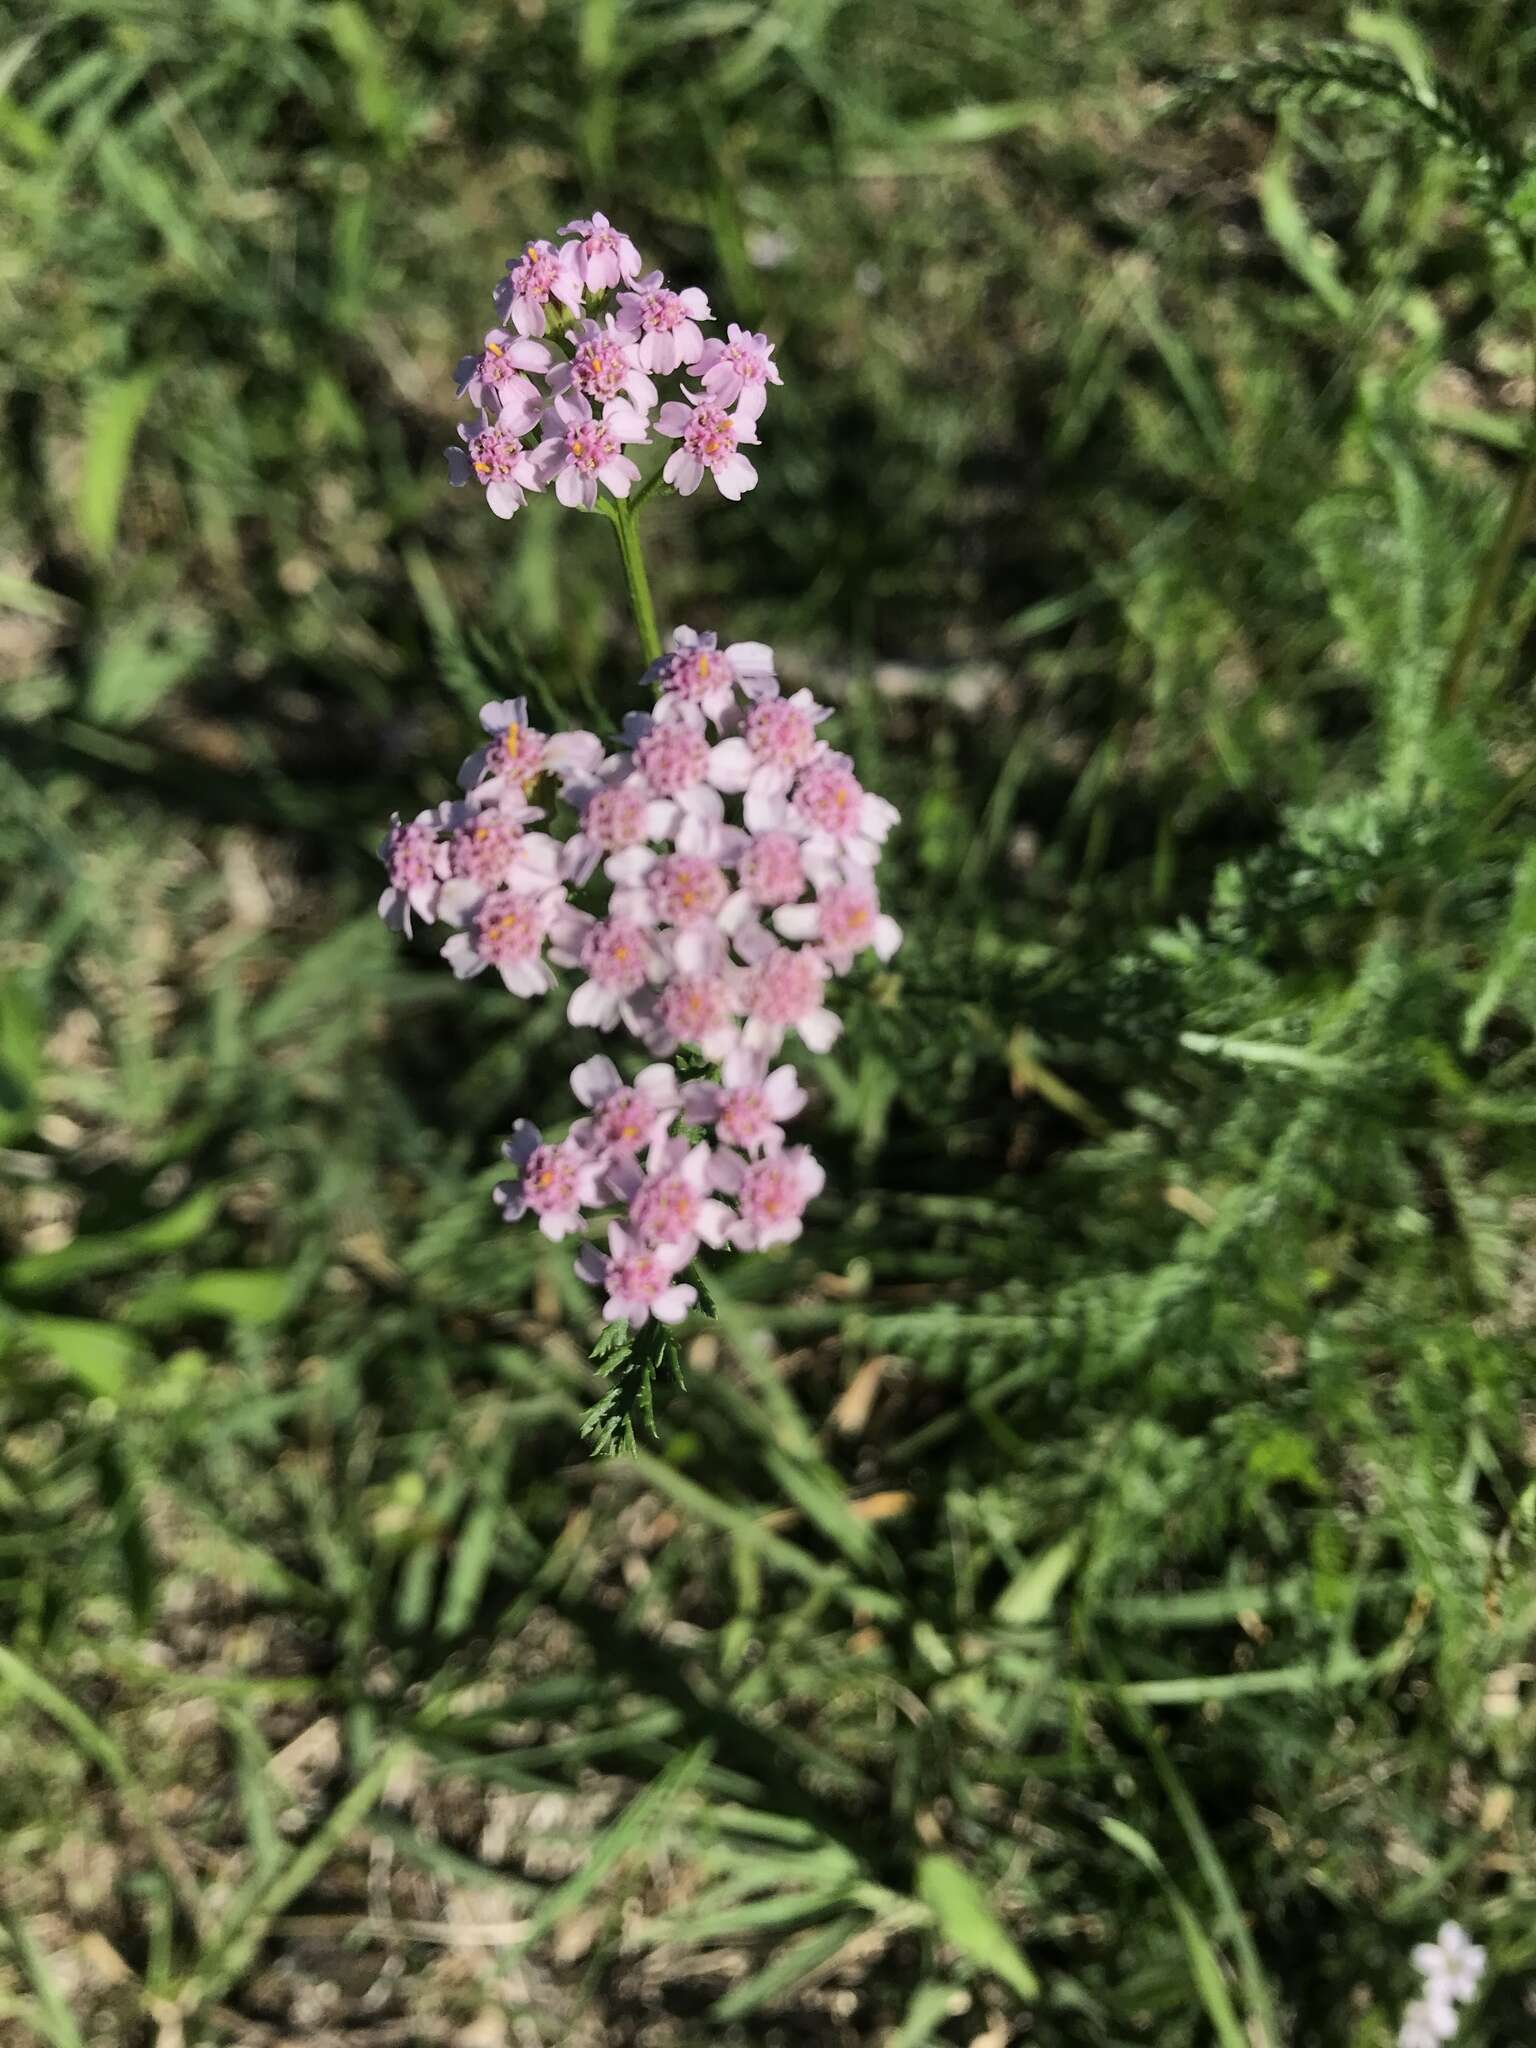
(693, 883)
(1451, 1968)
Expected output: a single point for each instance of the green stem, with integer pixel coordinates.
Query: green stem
(1493, 577)
(1517, 514)
(636, 582)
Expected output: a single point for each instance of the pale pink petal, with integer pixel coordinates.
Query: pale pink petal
(766, 809)
(673, 1303)
(591, 1006)
(575, 490)
(527, 978)
(618, 473)
(701, 1101)
(591, 1266)
(714, 1222)
(660, 1084)
(461, 956)
(737, 908)
(684, 472)
(798, 921)
(734, 477)
(783, 1097)
(631, 865)
(595, 1080)
(820, 1030)
(731, 765)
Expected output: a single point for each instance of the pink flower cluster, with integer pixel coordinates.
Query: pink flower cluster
(586, 338)
(702, 880)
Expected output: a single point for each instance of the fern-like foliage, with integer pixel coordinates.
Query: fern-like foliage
(1429, 113)
(632, 1361)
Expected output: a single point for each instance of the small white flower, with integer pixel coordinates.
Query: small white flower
(1451, 1965)
(1426, 2023)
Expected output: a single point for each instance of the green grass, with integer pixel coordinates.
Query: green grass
(1083, 1590)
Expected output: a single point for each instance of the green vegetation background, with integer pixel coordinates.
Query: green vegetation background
(1084, 1592)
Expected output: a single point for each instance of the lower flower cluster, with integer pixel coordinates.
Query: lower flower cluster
(626, 1153)
(1450, 1969)
(703, 880)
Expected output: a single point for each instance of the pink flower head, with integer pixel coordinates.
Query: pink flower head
(749, 1105)
(738, 370)
(777, 740)
(640, 1279)
(696, 1009)
(603, 255)
(625, 1116)
(665, 322)
(670, 759)
(771, 1195)
(413, 862)
(555, 1182)
(833, 804)
(507, 931)
(582, 449)
(678, 889)
(527, 864)
(493, 456)
(540, 274)
(712, 440)
(700, 679)
(604, 365)
(618, 817)
(783, 992)
(512, 758)
(772, 870)
(486, 847)
(843, 920)
(670, 1203)
(497, 379)
(618, 959)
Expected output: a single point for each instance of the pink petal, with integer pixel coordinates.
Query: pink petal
(820, 1030)
(674, 1302)
(797, 921)
(595, 1080)
(734, 477)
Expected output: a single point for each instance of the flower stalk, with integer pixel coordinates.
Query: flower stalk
(626, 528)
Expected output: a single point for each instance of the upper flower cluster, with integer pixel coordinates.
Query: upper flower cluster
(587, 337)
(703, 878)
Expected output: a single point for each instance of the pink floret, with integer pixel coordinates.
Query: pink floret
(771, 1198)
(712, 440)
